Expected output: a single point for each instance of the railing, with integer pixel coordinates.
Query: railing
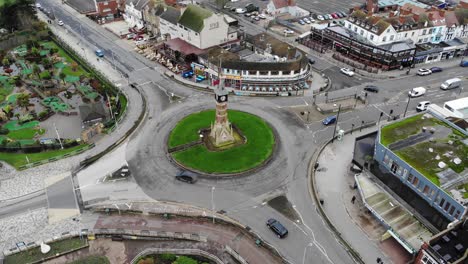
(177, 251)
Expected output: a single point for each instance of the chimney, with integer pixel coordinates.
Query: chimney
(431, 16)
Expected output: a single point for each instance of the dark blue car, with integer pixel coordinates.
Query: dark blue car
(436, 69)
(464, 63)
(329, 120)
(187, 74)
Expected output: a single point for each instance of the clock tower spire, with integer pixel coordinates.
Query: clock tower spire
(221, 132)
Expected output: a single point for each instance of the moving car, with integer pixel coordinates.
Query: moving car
(99, 53)
(347, 71)
(371, 88)
(277, 227)
(451, 84)
(424, 72)
(187, 176)
(422, 106)
(329, 120)
(436, 69)
(416, 92)
(60, 23)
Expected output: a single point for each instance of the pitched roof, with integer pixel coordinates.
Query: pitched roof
(451, 19)
(376, 24)
(193, 17)
(90, 112)
(283, 3)
(171, 15)
(182, 46)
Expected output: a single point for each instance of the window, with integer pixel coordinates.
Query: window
(447, 205)
(457, 214)
(426, 190)
(424, 32)
(392, 37)
(384, 39)
(263, 73)
(252, 72)
(394, 167)
(432, 193)
(412, 34)
(196, 34)
(419, 41)
(410, 178)
(451, 210)
(355, 29)
(274, 73)
(371, 37)
(349, 26)
(406, 35)
(399, 171)
(388, 30)
(361, 32)
(415, 181)
(442, 202)
(405, 172)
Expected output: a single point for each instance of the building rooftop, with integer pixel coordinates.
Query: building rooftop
(451, 245)
(171, 15)
(194, 16)
(384, 3)
(431, 146)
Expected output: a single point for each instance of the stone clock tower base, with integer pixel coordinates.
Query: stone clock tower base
(221, 133)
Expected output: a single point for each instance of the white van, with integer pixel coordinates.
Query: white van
(451, 84)
(418, 91)
(422, 106)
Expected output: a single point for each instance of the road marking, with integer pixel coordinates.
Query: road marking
(305, 102)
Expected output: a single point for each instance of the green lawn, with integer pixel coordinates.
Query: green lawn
(68, 71)
(25, 133)
(92, 260)
(259, 146)
(35, 254)
(14, 125)
(404, 128)
(19, 159)
(5, 90)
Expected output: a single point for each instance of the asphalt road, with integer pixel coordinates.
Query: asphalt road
(29, 202)
(244, 198)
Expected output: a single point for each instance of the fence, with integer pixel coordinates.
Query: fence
(58, 157)
(177, 251)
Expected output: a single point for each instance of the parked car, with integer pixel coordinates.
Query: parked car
(422, 106)
(464, 63)
(371, 88)
(320, 17)
(329, 120)
(99, 53)
(227, 7)
(329, 17)
(187, 176)
(312, 20)
(451, 84)
(343, 14)
(424, 72)
(240, 10)
(277, 227)
(187, 74)
(301, 22)
(288, 31)
(200, 78)
(60, 23)
(347, 71)
(262, 16)
(311, 59)
(306, 20)
(436, 69)
(131, 36)
(38, 5)
(416, 92)
(247, 14)
(334, 15)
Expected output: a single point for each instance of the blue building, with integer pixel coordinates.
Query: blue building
(427, 153)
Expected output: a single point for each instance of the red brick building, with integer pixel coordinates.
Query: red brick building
(106, 7)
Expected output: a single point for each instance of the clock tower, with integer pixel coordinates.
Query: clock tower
(221, 131)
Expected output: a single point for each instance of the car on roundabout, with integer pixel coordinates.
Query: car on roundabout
(371, 88)
(347, 71)
(186, 176)
(329, 120)
(436, 69)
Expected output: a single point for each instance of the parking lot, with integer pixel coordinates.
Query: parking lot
(329, 6)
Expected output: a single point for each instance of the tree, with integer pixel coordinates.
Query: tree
(46, 62)
(185, 260)
(74, 66)
(36, 70)
(23, 100)
(62, 76)
(34, 51)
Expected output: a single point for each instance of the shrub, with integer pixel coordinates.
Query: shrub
(168, 256)
(43, 114)
(4, 131)
(45, 75)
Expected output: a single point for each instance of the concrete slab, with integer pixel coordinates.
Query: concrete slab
(60, 197)
(119, 28)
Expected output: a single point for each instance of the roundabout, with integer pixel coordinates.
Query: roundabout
(190, 147)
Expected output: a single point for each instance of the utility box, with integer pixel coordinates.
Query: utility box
(340, 134)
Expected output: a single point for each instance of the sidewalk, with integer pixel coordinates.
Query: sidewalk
(335, 183)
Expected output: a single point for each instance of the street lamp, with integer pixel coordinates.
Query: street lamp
(58, 136)
(212, 201)
(336, 122)
(407, 104)
(378, 123)
(306, 112)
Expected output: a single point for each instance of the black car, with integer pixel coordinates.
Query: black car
(311, 60)
(277, 227)
(436, 69)
(371, 88)
(187, 176)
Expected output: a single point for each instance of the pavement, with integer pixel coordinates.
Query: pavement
(335, 185)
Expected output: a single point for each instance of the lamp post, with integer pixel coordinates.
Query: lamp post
(378, 123)
(407, 104)
(212, 203)
(58, 136)
(336, 122)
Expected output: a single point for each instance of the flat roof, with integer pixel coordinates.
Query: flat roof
(458, 104)
(429, 145)
(452, 244)
(384, 3)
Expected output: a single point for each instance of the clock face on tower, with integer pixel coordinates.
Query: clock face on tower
(221, 98)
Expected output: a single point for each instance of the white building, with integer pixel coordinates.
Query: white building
(134, 13)
(277, 7)
(198, 26)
